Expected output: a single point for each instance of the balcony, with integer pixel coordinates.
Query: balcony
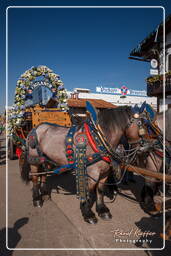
(155, 85)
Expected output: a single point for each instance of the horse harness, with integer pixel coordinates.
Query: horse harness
(91, 134)
(77, 158)
(151, 137)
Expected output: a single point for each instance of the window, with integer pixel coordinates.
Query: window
(169, 62)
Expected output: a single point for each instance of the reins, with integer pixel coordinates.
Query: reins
(98, 142)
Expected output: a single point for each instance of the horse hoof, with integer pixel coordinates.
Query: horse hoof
(92, 220)
(105, 216)
(37, 203)
(149, 209)
(45, 197)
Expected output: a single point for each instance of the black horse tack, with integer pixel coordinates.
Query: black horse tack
(103, 133)
(77, 159)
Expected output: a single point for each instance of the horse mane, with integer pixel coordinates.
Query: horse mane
(113, 119)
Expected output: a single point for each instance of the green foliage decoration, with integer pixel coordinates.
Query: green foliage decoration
(24, 83)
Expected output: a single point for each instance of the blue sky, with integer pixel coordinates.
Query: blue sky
(86, 47)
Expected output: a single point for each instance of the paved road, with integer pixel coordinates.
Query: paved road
(59, 224)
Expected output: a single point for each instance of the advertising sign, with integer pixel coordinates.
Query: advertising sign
(108, 90)
(154, 72)
(118, 91)
(124, 90)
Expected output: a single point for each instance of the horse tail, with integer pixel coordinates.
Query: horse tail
(24, 168)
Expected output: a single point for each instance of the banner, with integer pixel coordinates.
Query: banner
(117, 91)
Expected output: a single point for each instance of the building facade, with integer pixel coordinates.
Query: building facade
(115, 99)
(151, 49)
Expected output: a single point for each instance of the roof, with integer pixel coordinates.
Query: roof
(142, 50)
(81, 90)
(81, 103)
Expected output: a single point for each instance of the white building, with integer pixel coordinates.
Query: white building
(115, 99)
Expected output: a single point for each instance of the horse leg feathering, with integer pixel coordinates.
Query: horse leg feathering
(86, 211)
(150, 186)
(37, 199)
(101, 208)
(44, 190)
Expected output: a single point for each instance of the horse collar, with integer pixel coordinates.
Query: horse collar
(93, 140)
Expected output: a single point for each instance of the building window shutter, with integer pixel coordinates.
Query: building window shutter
(169, 64)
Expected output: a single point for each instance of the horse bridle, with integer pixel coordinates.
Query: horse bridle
(136, 118)
(144, 145)
(102, 138)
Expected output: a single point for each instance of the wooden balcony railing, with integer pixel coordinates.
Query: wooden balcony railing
(155, 85)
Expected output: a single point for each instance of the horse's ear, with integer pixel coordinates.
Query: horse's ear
(143, 106)
(92, 110)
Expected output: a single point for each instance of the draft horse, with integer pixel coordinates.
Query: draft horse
(155, 158)
(50, 143)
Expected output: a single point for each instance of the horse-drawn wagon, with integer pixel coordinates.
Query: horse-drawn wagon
(34, 116)
(40, 97)
(89, 149)
(55, 144)
(31, 108)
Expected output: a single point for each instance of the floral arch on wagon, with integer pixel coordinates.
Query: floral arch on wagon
(28, 81)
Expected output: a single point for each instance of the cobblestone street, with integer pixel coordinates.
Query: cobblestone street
(59, 224)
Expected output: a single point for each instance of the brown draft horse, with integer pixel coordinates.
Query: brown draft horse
(151, 186)
(160, 124)
(114, 124)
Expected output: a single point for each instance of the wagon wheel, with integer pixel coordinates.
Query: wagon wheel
(11, 149)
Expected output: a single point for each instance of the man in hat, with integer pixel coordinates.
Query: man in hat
(29, 97)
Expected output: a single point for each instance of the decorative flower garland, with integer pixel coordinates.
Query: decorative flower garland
(157, 78)
(25, 84)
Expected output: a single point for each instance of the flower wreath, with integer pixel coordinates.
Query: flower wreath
(27, 82)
